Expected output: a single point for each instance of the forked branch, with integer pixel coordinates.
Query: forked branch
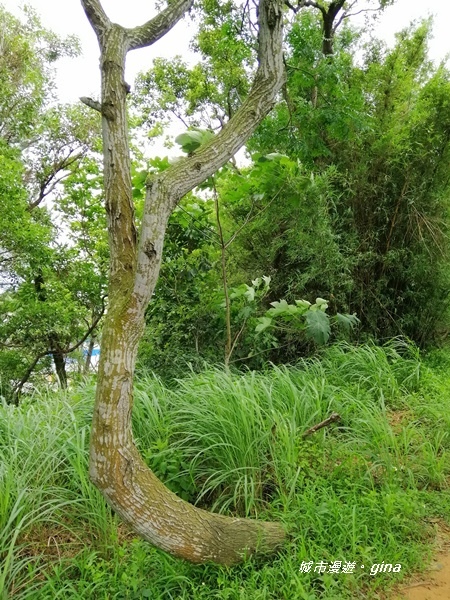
(167, 190)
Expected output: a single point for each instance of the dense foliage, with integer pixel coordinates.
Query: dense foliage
(52, 242)
(377, 135)
(345, 196)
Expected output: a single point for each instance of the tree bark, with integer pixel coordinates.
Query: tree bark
(116, 467)
(328, 28)
(60, 367)
(87, 363)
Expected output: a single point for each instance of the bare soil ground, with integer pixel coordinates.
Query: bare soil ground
(433, 584)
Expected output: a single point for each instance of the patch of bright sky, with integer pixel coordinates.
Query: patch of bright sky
(80, 76)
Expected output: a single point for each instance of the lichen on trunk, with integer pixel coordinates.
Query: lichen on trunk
(116, 467)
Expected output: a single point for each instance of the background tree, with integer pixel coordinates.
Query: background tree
(53, 281)
(377, 138)
(334, 13)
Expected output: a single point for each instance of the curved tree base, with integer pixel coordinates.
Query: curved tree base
(172, 524)
(116, 467)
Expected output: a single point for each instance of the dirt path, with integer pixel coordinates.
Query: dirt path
(434, 584)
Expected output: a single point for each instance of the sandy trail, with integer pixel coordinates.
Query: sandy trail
(434, 584)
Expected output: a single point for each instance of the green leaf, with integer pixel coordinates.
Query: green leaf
(264, 323)
(347, 321)
(321, 301)
(279, 308)
(139, 179)
(321, 304)
(189, 141)
(250, 293)
(193, 139)
(246, 312)
(239, 291)
(303, 305)
(318, 326)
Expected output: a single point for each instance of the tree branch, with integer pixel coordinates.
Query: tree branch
(96, 16)
(303, 4)
(270, 76)
(22, 382)
(49, 183)
(250, 218)
(170, 186)
(91, 103)
(235, 341)
(154, 29)
(89, 331)
(331, 419)
(346, 15)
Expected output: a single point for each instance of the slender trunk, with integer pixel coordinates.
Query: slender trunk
(328, 25)
(223, 264)
(60, 366)
(327, 30)
(58, 359)
(87, 364)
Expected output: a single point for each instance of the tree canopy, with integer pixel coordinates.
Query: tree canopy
(53, 259)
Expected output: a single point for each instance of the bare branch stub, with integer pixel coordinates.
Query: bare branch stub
(331, 419)
(94, 104)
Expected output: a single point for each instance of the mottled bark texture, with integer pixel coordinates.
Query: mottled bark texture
(116, 467)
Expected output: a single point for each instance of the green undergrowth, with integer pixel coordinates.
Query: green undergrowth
(369, 488)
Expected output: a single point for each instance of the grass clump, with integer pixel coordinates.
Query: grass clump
(368, 489)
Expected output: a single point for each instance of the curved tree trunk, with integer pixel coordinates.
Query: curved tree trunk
(116, 467)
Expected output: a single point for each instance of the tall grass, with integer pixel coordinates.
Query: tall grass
(43, 478)
(358, 490)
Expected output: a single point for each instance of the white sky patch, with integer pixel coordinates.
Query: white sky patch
(81, 77)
